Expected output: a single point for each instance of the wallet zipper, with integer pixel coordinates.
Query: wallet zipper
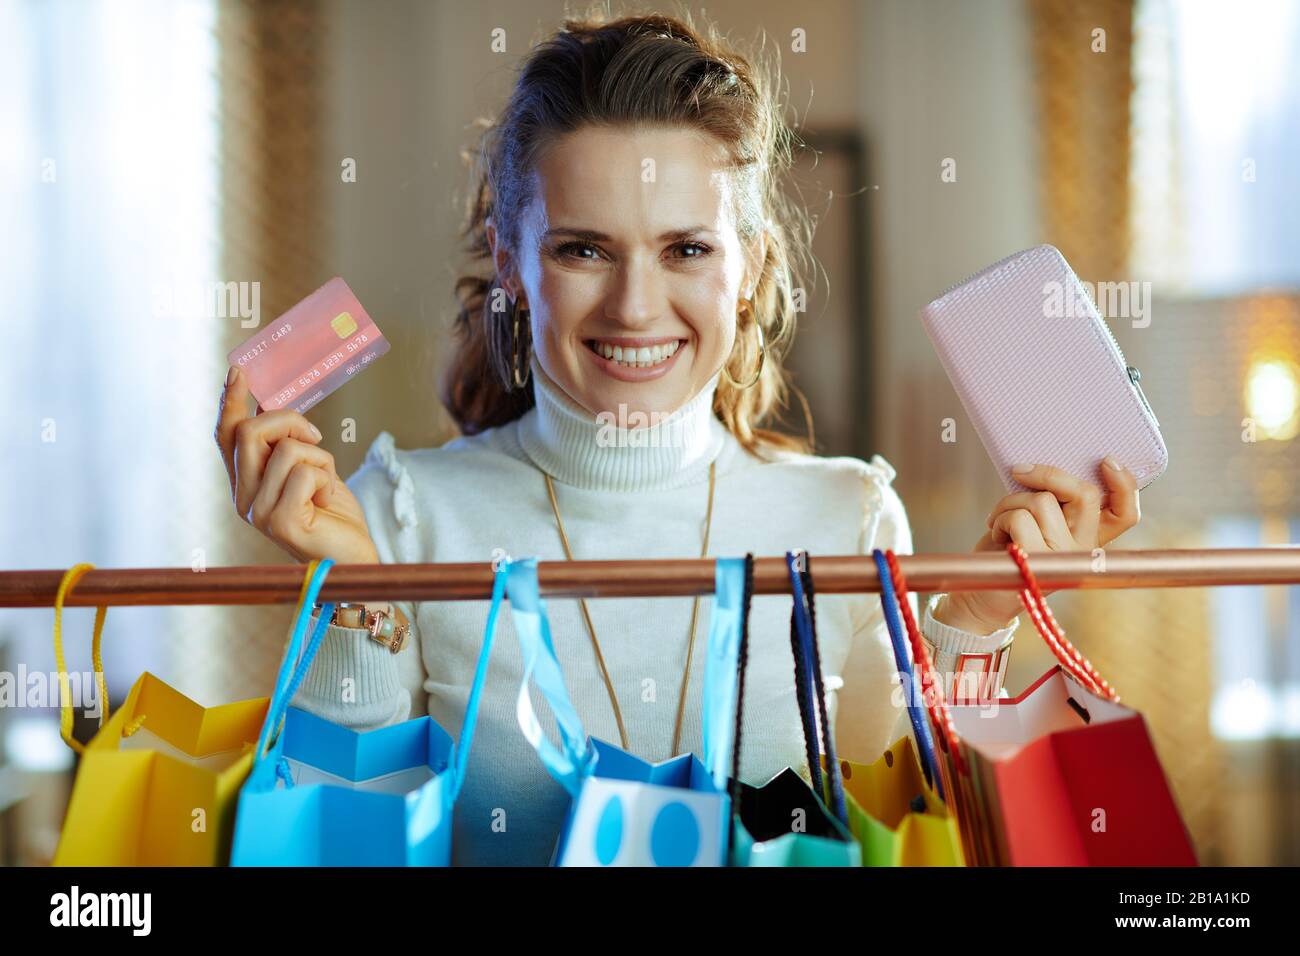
(1133, 376)
(1134, 373)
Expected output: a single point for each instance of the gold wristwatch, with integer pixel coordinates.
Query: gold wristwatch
(387, 627)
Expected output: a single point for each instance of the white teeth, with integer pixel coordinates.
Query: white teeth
(645, 356)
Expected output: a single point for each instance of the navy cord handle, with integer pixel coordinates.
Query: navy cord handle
(808, 677)
(921, 727)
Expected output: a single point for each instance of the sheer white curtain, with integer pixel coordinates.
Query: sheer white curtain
(108, 186)
(1216, 227)
(1216, 123)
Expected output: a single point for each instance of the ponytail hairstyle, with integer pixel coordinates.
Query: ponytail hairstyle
(651, 70)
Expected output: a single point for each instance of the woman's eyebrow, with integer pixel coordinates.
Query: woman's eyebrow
(592, 235)
(679, 234)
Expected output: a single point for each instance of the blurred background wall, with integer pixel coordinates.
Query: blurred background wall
(153, 146)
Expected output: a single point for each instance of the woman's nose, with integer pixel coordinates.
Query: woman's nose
(637, 297)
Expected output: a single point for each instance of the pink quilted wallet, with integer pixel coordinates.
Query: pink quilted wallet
(1039, 373)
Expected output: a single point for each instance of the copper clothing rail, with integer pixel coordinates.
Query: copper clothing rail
(281, 584)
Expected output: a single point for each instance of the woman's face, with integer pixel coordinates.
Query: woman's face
(631, 266)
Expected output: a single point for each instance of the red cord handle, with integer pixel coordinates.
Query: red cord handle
(932, 689)
(1046, 624)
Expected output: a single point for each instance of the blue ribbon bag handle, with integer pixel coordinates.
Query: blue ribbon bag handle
(575, 759)
(295, 667)
(480, 678)
(292, 671)
(812, 692)
(721, 668)
(915, 711)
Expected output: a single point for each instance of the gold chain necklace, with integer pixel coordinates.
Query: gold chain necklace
(695, 612)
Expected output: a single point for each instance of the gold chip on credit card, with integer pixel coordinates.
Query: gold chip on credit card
(343, 324)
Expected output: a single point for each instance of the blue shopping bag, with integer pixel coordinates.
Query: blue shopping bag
(624, 810)
(320, 794)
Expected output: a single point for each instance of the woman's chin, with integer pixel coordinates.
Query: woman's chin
(654, 400)
(629, 404)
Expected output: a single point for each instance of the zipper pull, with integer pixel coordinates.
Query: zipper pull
(1135, 376)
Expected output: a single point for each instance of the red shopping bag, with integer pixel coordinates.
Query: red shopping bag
(1062, 775)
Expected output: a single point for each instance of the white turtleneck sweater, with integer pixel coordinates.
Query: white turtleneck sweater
(480, 497)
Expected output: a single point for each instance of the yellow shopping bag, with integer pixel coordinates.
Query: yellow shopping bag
(158, 783)
(897, 818)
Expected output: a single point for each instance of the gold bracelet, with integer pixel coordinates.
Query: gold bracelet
(389, 628)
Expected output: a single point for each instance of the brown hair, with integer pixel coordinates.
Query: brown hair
(656, 70)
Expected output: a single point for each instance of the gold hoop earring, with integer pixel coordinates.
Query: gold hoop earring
(762, 356)
(520, 380)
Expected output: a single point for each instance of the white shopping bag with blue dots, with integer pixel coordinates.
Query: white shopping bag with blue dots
(625, 811)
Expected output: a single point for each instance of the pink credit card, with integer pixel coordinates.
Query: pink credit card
(308, 352)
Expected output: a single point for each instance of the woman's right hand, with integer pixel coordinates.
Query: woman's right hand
(285, 486)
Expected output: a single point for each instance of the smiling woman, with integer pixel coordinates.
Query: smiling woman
(635, 203)
(635, 306)
(636, 266)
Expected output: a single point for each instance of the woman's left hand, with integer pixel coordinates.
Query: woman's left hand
(1065, 514)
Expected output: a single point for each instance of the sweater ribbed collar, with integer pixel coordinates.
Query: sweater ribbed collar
(578, 448)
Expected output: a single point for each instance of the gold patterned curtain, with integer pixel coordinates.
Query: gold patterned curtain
(271, 59)
(1154, 645)
(1083, 64)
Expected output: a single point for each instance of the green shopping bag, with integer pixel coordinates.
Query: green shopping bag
(895, 815)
